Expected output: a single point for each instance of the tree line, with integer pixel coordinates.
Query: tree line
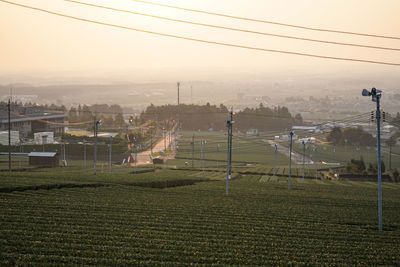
(206, 117)
(351, 136)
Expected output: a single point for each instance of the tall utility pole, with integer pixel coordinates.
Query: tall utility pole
(96, 128)
(165, 140)
(135, 157)
(316, 161)
(390, 152)
(275, 158)
(229, 152)
(192, 151)
(378, 126)
(84, 153)
(191, 94)
(178, 84)
(290, 157)
(230, 146)
(304, 157)
(64, 152)
(376, 97)
(9, 135)
(151, 144)
(202, 155)
(21, 150)
(109, 157)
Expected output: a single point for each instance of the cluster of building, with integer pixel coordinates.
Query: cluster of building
(30, 122)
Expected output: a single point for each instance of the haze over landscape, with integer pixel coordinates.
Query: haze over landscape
(181, 132)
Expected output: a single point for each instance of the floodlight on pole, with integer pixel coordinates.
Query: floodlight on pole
(376, 96)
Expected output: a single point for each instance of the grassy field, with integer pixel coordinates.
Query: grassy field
(124, 220)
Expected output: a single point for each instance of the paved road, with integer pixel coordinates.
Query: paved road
(296, 157)
(143, 157)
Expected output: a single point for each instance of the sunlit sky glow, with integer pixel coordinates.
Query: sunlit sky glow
(36, 42)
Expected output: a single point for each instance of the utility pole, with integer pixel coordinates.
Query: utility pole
(376, 96)
(84, 153)
(316, 161)
(21, 150)
(135, 158)
(290, 157)
(231, 145)
(64, 152)
(151, 144)
(201, 155)
(165, 139)
(109, 157)
(378, 125)
(178, 84)
(304, 157)
(229, 152)
(275, 158)
(192, 151)
(390, 152)
(96, 128)
(9, 134)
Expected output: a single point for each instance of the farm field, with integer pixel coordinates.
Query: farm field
(125, 219)
(173, 214)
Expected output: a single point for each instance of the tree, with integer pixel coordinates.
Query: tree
(298, 118)
(356, 166)
(335, 136)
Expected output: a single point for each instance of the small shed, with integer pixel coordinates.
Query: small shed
(45, 159)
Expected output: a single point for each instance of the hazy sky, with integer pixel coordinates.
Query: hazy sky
(32, 41)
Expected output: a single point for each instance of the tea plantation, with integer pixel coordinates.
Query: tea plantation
(171, 217)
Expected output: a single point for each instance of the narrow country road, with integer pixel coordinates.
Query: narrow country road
(296, 157)
(144, 158)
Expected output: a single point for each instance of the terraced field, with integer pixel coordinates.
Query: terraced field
(127, 221)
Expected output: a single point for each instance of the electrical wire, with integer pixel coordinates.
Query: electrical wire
(202, 40)
(269, 22)
(234, 29)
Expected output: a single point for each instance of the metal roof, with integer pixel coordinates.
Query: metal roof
(42, 154)
(32, 117)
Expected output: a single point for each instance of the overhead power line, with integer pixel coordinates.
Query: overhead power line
(235, 29)
(201, 40)
(269, 22)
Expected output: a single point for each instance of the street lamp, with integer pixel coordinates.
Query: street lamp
(97, 125)
(376, 97)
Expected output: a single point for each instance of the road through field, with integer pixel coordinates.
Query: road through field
(296, 157)
(144, 157)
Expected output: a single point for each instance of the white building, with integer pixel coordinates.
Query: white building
(44, 138)
(4, 138)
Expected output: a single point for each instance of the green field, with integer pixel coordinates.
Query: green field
(176, 215)
(124, 221)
